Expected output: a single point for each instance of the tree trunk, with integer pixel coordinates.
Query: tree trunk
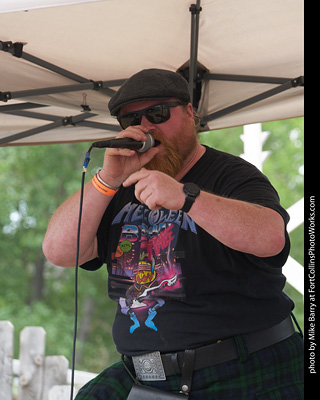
(85, 326)
(37, 280)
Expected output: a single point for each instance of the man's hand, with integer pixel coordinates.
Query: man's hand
(156, 189)
(121, 163)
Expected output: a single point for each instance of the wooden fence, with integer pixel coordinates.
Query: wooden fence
(38, 377)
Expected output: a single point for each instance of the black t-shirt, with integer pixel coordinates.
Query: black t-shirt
(177, 287)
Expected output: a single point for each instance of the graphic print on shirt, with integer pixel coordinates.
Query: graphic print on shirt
(145, 267)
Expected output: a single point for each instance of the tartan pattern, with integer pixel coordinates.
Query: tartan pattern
(273, 373)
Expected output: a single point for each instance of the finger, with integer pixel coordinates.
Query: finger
(135, 177)
(151, 202)
(137, 132)
(148, 155)
(145, 195)
(120, 152)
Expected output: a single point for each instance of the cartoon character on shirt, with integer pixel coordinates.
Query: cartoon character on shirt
(143, 293)
(145, 262)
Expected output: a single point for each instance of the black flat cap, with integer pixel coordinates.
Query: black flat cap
(150, 84)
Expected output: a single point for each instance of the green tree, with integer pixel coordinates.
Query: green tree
(36, 180)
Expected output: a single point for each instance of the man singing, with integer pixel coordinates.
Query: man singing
(194, 240)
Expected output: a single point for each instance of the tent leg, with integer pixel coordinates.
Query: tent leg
(195, 10)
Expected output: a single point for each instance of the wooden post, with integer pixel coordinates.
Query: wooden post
(6, 359)
(32, 350)
(55, 373)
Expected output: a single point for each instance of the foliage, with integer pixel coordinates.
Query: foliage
(35, 180)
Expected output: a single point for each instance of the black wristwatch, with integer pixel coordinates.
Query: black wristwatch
(192, 191)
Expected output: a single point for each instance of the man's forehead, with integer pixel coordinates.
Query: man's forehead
(141, 105)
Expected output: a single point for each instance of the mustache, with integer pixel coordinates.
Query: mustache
(156, 135)
(170, 162)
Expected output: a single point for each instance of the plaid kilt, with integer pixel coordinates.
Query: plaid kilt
(273, 373)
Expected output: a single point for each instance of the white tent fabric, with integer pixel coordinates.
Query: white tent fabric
(23, 5)
(101, 41)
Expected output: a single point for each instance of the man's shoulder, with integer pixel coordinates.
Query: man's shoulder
(216, 156)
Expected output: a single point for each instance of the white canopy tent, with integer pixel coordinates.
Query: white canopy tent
(60, 61)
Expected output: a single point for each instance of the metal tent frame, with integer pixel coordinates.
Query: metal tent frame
(194, 72)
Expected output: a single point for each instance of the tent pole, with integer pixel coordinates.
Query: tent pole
(255, 99)
(100, 125)
(4, 96)
(62, 122)
(16, 50)
(33, 115)
(20, 106)
(195, 10)
(98, 85)
(62, 71)
(244, 78)
(53, 68)
(48, 117)
(30, 132)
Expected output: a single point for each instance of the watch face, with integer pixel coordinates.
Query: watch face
(191, 189)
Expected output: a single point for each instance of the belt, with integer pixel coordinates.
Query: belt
(212, 354)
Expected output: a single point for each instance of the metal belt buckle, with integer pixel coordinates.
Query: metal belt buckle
(149, 367)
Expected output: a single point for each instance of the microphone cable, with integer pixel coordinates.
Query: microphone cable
(150, 142)
(84, 170)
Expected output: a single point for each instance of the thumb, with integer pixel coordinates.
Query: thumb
(148, 156)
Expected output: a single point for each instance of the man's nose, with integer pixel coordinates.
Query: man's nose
(145, 122)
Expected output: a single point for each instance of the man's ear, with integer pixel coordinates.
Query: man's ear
(189, 110)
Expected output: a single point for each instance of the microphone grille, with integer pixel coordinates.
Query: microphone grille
(150, 142)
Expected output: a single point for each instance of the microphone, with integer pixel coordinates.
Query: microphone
(128, 143)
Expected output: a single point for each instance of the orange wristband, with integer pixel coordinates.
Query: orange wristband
(102, 188)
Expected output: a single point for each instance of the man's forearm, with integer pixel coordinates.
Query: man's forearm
(59, 245)
(242, 226)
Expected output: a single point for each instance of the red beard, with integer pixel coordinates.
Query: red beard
(171, 160)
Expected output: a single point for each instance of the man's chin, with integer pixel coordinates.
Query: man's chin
(170, 159)
(165, 164)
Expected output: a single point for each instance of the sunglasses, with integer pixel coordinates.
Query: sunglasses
(155, 114)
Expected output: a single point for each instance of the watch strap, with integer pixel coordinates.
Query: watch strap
(192, 191)
(188, 203)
